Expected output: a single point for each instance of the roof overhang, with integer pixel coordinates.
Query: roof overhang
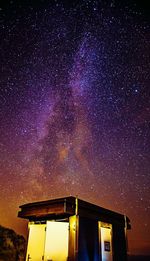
(65, 207)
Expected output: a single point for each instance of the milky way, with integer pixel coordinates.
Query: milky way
(74, 93)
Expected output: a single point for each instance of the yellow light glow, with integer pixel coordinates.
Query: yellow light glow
(106, 240)
(48, 241)
(73, 221)
(56, 244)
(36, 241)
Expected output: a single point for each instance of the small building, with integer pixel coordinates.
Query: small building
(70, 229)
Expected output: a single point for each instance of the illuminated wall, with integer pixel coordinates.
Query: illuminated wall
(48, 241)
(73, 237)
(56, 243)
(36, 242)
(105, 231)
(79, 239)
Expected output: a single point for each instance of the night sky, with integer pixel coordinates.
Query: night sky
(75, 108)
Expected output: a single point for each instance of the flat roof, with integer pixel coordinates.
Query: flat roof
(65, 207)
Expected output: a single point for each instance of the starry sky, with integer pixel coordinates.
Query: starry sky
(75, 108)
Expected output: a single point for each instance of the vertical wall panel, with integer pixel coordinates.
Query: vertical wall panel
(119, 244)
(73, 238)
(106, 243)
(88, 240)
(56, 243)
(36, 242)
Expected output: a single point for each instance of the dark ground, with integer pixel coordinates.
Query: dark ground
(139, 258)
